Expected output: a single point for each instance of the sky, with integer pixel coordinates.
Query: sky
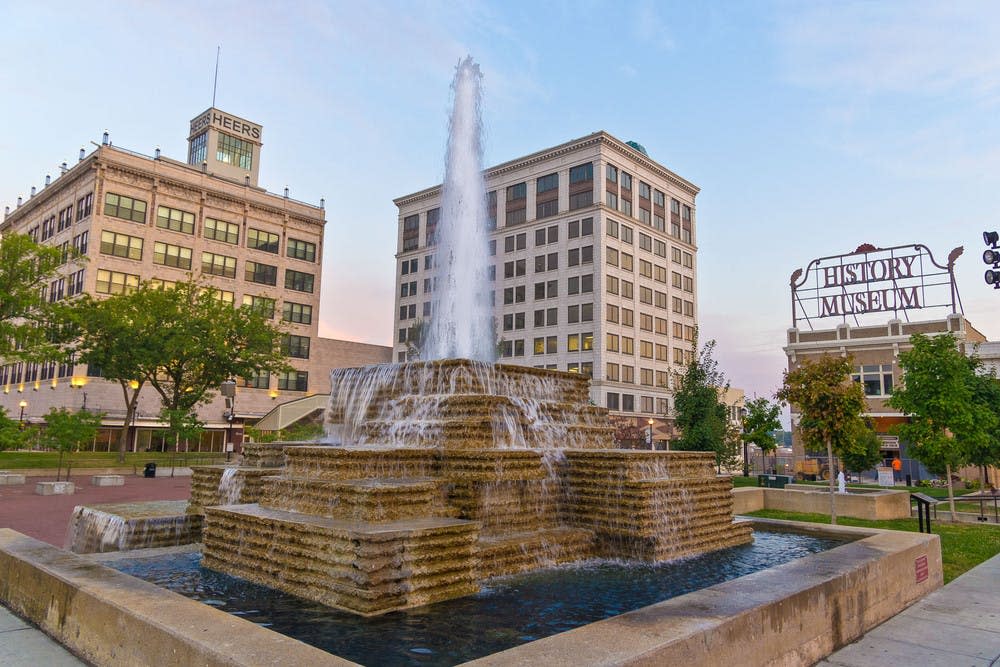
(810, 127)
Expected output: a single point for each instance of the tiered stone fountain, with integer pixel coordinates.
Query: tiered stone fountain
(449, 472)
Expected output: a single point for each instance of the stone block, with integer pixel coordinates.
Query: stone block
(10, 478)
(108, 480)
(55, 488)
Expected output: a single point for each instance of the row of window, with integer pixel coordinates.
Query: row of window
(177, 220)
(180, 257)
(56, 223)
(625, 373)
(626, 403)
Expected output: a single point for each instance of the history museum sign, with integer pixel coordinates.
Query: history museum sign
(874, 280)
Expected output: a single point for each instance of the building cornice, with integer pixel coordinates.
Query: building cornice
(595, 139)
(107, 157)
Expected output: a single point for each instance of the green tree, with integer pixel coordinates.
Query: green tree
(12, 433)
(759, 423)
(829, 404)
(941, 397)
(65, 431)
(699, 413)
(29, 324)
(985, 450)
(862, 448)
(182, 341)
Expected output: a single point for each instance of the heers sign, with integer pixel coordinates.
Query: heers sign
(878, 270)
(226, 122)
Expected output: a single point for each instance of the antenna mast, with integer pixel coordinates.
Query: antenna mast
(215, 85)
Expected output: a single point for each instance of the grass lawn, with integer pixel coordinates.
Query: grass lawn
(963, 545)
(43, 460)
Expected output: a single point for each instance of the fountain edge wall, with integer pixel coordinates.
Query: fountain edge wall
(793, 614)
(85, 607)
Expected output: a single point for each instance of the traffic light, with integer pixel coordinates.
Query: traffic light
(992, 256)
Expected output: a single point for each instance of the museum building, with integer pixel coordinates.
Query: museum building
(866, 304)
(593, 247)
(136, 218)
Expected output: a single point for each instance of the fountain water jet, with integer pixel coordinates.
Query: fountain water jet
(462, 325)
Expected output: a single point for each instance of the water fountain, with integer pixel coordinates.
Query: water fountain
(451, 471)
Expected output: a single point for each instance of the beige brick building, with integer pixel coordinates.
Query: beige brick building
(594, 251)
(138, 218)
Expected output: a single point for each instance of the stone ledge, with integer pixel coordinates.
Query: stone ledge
(107, 480)
(55, 488)
(10, 478)
(84, 606)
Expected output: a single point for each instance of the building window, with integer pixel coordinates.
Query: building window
(199, 149)
(114, 282)
(259, 239)
(304, 250)
(612, 400)
(300, 313)
(298, 281)
(546, 183)
(430, 228)
(581, 173)
(218, 230)
(219, 265)
(121, 245)
(295, 346)
(876, 378)
(261, 304)
(612, 174)
(293, 381)
(236, 152)
(411, 232)
(175, 220)
(260, 380)
(176, 256)
(84, 206)
(126, 208)
(76, 283)
(265, 274)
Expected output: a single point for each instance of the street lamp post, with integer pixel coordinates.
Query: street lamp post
(228, 390)
(743, 427)
(649, 435)
(20, 420)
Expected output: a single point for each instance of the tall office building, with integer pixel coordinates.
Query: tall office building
(593, 246)
(137, 218)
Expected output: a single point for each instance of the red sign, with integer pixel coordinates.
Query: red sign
(921, 568)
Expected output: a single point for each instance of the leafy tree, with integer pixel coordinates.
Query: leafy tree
(942, 396)
(760, 421)
(65, 431)
(700, 415)
(862, 450)
(182, 341)
(28, 322)
(985, 451)
(12, 435)
(830, 405)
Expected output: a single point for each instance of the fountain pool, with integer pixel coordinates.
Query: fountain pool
(508, 611)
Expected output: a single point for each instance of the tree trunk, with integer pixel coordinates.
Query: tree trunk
(951, 492)
(833, 497)
(131, 404)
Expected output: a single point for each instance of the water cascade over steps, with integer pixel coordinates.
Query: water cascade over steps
(421, 500)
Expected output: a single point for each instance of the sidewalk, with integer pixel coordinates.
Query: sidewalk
(23, 645)
(955, 626)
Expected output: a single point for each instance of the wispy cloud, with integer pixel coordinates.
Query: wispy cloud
(918, 48)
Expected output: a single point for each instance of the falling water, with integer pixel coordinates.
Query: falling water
(230, 486)
(462, 324)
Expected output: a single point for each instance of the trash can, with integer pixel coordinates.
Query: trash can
(774, 481)
(149, 470)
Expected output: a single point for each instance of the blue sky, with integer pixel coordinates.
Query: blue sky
(810, 127)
